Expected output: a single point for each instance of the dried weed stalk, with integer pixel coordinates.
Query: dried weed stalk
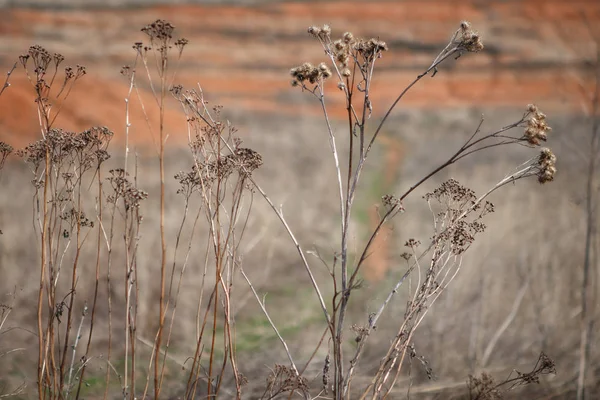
(458, 215)
(220, 176)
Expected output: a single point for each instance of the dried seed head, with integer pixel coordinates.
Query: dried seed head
(391, 201)
(468, 39)
(370, 49)
(310, 73)
(160, 30)
(314, 30)
(412, 243)
(537, 128)
(180, 44)
(348, 37)
(546, 164)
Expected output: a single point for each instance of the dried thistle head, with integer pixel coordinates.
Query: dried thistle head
(322, 33)
(370, 49)
(468, 39)
(310, 73)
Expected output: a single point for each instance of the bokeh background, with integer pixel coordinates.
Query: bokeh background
(520, 284)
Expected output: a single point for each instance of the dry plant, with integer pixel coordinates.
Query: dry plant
(218, 193)
(485, 388)
(457, 214)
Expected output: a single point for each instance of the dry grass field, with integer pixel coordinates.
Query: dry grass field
(210, 254)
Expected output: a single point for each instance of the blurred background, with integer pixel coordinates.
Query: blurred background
(519, 289)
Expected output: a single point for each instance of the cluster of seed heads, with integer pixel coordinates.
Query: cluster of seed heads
(536, 130)
(342, 51)
(310, 73)
(456, 199)
(85, 148)
(42, 60)
(160, 32)
(483, 387)
(391, 201)
(124, 189)
(546, 164)
(74, 217)
(5, 150)
(452, 190)
(202, 175)
(285, 379)
(467, 39)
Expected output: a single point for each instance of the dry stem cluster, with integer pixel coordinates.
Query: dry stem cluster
(218, 191)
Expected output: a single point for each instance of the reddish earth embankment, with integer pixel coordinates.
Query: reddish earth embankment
(241, 55)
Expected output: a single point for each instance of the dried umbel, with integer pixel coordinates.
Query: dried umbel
(247, 160)
(483, 387)
(204, 174)
(452, 193)
(285, 379)
(457, 201)
(124, 189)
(159, 30)
(160, 33)
(85, 149)
(73, 218)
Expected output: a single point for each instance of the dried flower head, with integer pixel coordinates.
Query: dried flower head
(181, 43)
(412, 243)
(322, 33)
(467, 39)
(124, 189)
(160, 30)
(348, 37)
(314, 30)
(457, 202)
(310, 73)
(370, 49)
(247, 160)
(546, 164)
(483, 387)
(537, 129)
